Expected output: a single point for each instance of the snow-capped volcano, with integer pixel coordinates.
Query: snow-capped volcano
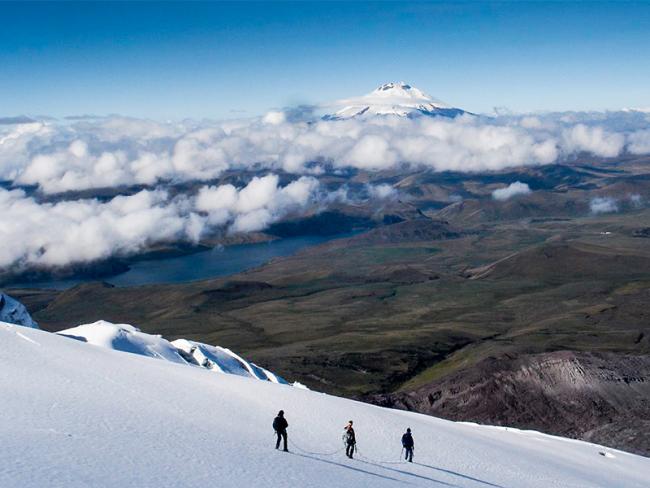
(399, 99)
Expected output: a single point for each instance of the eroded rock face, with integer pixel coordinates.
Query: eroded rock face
(602, 398)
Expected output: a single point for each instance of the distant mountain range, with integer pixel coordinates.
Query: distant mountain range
(396, 98)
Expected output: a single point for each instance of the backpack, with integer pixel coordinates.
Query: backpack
(407, 440)
(278, 423)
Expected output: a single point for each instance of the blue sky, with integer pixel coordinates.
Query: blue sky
(224, 60)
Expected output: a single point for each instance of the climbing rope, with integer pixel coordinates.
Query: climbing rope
(378, 461)
(293, 444)
(356, 449)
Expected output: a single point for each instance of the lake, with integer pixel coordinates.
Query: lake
(202, 265)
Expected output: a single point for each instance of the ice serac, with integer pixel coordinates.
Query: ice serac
(222, 360)
(399, 99)
(14, 312)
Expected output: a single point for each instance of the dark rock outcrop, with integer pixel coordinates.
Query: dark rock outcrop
(597, 397)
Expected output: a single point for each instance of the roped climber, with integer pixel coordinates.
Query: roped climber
(350, 439)
(408, 444)
(280, 425)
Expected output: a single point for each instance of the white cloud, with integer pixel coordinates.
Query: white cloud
(112, 151)
(87, 230)
(381, 192)
(639, 142)
(274, 118)
(58, 234)
(118, 151)
(371, 152)
(636, 200)
(513, 189)
(594, 140)
(645, 110)
(601, 205)
(258, 204)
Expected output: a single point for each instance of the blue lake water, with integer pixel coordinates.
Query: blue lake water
(198, 266)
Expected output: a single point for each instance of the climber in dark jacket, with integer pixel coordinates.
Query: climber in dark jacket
(408, 444)
(350, 440)
(280, 425)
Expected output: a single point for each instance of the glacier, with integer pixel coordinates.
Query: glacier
(79, 415)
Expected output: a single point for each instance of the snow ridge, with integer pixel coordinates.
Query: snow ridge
(127, 338)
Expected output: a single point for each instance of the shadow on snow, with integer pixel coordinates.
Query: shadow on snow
(459, 474)
(349, 467)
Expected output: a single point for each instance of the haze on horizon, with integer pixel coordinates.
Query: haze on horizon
(240, 59)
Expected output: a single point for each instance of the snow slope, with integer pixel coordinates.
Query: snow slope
(399, 99)
(74, 415)
(14, 312)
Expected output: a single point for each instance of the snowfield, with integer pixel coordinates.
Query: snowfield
(75, 415)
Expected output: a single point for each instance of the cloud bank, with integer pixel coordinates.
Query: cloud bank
(117, 151)
(58, 234)
(86, 153)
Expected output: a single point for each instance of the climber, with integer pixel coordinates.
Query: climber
(408, 444)
(280, 425)
(349, 439)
